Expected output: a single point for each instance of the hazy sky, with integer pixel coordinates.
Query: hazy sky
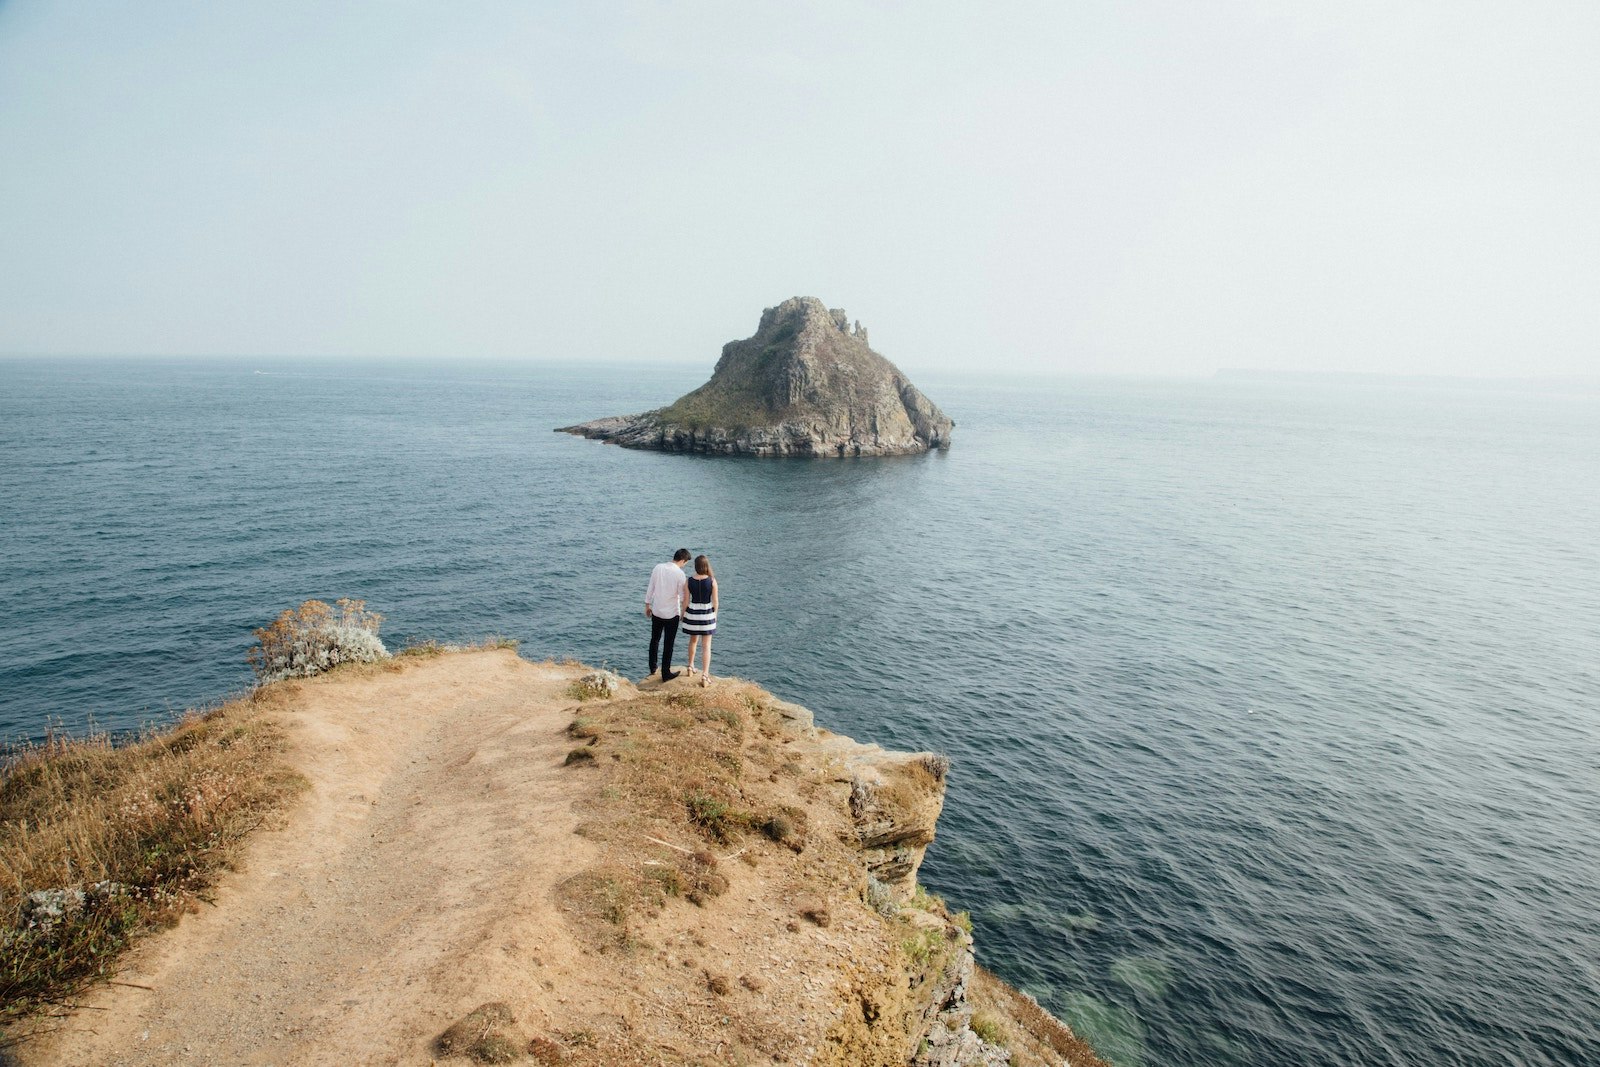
(1109, 186)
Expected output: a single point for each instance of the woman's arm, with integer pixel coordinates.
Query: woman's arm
(713, 595)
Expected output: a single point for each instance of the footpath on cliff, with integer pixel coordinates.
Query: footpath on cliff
(522, 862)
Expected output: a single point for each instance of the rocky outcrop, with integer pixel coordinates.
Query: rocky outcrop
(894, 804)
(805, 384)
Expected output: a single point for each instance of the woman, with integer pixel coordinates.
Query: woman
(700, 620)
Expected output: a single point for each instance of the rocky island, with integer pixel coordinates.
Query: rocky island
(806, 384)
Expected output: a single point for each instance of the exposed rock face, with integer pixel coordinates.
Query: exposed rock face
(806, 384)
(895, 801)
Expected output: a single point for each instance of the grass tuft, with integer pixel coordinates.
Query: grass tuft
(988, 1028)
(924, 945)
(483, 1035)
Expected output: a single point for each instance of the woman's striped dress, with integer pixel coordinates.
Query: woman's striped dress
(701, 618)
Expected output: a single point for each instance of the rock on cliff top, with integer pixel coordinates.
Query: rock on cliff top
(806, 384)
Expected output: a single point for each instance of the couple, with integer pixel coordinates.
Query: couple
(672, 594)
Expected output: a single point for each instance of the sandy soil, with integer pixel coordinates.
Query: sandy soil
(405, 890)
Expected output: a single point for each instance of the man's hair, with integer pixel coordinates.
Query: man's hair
(680, 555)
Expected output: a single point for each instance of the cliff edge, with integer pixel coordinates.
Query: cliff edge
(516, 862)
(805, 384)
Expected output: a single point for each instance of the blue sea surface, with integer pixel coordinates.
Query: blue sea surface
(1274, 706)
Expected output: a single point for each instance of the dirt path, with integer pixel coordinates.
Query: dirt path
(379, 914)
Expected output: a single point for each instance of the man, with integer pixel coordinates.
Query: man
(665, 599)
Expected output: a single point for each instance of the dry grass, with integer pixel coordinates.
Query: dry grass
(430, 648)
(141, 830)
(1015, 1020)
(679, 768)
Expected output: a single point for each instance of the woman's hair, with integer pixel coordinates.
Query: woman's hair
(702, 566)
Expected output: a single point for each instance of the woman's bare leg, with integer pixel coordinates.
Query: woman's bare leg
(705, 674)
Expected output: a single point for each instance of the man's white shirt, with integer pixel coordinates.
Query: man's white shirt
(665, 592)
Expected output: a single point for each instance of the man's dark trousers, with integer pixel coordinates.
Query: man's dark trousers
(659, 626)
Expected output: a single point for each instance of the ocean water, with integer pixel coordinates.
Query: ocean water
(1274, 706)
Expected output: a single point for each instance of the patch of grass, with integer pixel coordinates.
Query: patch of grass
(721, 408)
(428, 648)
(710, 814)
(988, 1028)
(726, 716)
(683, 776)
(484, 1035)
(704, 881)
(100, 843)
(615, 905)
(1035, 1037)
(924, 946)
(583, 755)
(669, 878)
(545, 1051)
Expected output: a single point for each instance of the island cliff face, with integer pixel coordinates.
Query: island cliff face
(806, 384)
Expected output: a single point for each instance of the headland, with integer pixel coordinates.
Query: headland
(518, 862)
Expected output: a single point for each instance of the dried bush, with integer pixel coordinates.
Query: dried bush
(314, 638)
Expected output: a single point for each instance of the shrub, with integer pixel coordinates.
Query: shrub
(314, 638)
(596, 685)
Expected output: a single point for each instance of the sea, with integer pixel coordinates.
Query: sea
(1273, 703)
